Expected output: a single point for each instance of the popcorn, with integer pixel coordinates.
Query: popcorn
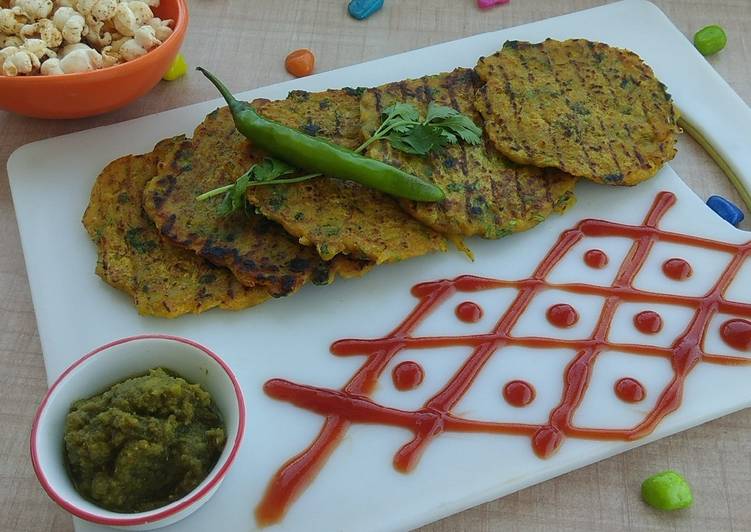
(71, 24)
(162, 28)
(144, 39)
(124, 19)
(51, 67)
(18, 61)
(46, 30)
(39, 48)
(141, 11)
(33, 9)
(97, 35)
(12, 20)
(81, 60)
(53, 37)
(10, 40)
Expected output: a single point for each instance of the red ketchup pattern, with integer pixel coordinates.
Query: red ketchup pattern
(353, 403)
(648, 322)
(407, 376)
(562, 315)
(677, 269)
(737, 334)
(629, 390)
(519, 393)
(596, 259)
(469, 312)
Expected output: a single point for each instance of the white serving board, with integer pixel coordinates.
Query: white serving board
(358, 490)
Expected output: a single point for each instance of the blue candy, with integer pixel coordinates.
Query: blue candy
(362, 9)
(726, 210)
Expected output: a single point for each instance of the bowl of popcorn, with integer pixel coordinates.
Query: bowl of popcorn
(77, 58)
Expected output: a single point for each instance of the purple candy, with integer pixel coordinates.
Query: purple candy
(485, 4)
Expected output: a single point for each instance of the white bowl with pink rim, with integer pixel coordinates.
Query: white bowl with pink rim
(113, 363)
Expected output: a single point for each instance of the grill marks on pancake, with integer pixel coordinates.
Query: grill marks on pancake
(451, 85)
(659, 127)
(485, 105)
(598, 84)
(514, 104)
(589, 109)
(604, 83)
(339, 217)
(581, 143)
(257, 251)
(485, 194)
(581, 139)
(164, 280)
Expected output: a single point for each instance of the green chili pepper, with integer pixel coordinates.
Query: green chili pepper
(667, 491)
(317, 155)
(710, 40)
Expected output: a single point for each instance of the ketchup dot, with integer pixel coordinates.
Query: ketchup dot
(596, 258)
(546, 441)
(629, 390)
(518, 393)
(469, 312)
(677, 269)
(407, 376)
(562, 315)
(737, 334)
(648, 322)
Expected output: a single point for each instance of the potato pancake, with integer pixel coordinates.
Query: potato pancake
(486, 194)
(163, 279)
(256, 250)
(334, 215)
(586, 108)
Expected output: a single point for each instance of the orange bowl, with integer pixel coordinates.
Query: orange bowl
(99, 91)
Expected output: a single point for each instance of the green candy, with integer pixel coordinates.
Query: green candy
(667, 490)
(710, 40)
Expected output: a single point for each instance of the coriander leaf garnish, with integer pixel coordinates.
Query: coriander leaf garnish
(402, 111)
(270, 169)
(420, 140)
(461, 126)
(404, 129)
(267, 172)
(436, 112)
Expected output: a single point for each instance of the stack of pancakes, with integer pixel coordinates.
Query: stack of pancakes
(551, 113)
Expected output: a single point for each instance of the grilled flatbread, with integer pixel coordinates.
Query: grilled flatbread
(586, 108)
(256, 250)
(163, 279)
(334, 215)
(486, 194)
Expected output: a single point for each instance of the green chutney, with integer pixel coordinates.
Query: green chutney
(143, 443)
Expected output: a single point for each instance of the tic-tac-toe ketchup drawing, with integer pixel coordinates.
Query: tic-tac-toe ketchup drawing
(353, 403)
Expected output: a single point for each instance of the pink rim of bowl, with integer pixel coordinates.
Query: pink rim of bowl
(173, 508)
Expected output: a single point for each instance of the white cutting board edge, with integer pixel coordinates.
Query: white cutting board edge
(711, 104)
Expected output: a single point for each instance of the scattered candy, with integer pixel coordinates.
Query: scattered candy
(177, 69)
(300, 62)
(486, 4)
(726, 209)
(667, 491)
(710, 40)
(362, 9)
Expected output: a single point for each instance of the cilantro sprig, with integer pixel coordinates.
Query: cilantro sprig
(406, 131)
(401, 126)
(267, 172)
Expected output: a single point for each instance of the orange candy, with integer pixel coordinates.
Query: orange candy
(300, 62)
